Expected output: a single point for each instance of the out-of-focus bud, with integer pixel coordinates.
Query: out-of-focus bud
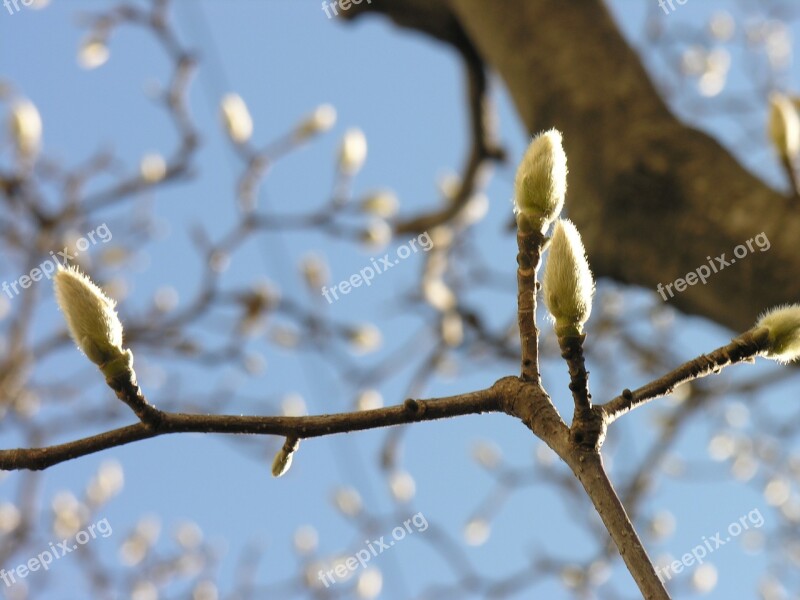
(352, 152)
(93, 52)
(567, 284)
(153, 168)
(541, 180)
(378, 233)
(236, 118)
(783, 323)
(784, 126)
(315, 271)
(320, 121)
(382, 203)
(365, 338)
(25, 124)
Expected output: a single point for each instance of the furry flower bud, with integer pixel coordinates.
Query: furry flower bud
(26, 127)
(283, 459)
(236, 118)
(784, 126)
(541, 180)
(783, 324)
(567, 283)
(91, 319)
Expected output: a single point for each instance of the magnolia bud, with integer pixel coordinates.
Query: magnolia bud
(91, 320)
(541, 180)
(93, 52)
(784, 125)
(568, 285)
(353, 151)
(236, 118)
(26, 127)
(783, 323)
(320, 121)
(283, 459)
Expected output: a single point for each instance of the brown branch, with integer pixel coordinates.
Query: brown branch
(741, 349)
(529, 241)
(412, 411)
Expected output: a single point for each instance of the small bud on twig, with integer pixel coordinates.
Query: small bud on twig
(783, 324)
(283, 459)
(784, 126)
(236, 118)
(541, 180)
(568, 284)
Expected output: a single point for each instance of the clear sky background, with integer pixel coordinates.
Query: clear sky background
(285, 57)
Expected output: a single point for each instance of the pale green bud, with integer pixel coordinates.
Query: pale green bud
(784, 125)
(541, 180)
(91, 319)
(567, 284)
(283, 459)
(783, 323)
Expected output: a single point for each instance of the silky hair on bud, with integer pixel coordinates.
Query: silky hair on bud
(91, 319)
(568, 285)
(784, 125)
(283, 459)
(541, 180)
(783, 324)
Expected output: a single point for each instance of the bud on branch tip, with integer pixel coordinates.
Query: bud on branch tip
(91, 319)
(283, 459)
(567, 284)
(541, 181)
(783, 324)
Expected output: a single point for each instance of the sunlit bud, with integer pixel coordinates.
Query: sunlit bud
(236, 118)
(370, 584)
(348, 501)
(366, 338)
(382, 204)
(783, 323)
(567, 284)
(92, 321)
(352, 152)
(541, 180)
(378, 233)
(314, 270)
(320, 121)
(369, 400)
(402, 485)
(26, 127)
(283, 459)
(452, 328)
(93, 52)
(476, 208)
(784, 125)
(477, 531)
(306, 540)
(438, 294)
(153, 168)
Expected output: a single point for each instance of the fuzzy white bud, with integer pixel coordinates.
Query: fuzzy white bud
(91, 319)
(283, 459)
(784, 126)
(26, 127)
(236, 118)
(320, 121)
(353, 151)
(541, 180)
(567, 284)
(783, 323)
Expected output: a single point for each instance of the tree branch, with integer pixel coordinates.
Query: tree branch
(742, 348)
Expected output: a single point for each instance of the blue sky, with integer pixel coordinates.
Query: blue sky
(284, 58)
